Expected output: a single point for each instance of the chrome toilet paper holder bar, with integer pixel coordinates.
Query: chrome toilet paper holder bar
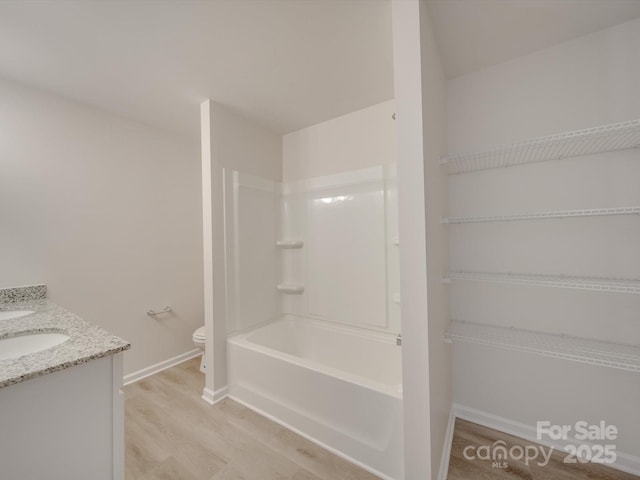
(153, 313)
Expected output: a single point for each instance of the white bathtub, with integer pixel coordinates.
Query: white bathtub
(337, 386)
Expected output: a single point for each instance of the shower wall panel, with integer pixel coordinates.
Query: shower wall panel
(252, 223)
(348, 265)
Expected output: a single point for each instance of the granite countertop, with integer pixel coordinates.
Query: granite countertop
(87, 341)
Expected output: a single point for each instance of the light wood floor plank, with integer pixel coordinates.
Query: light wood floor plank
(302, 474)
(172, 433)
(315, 459)
(468, 433)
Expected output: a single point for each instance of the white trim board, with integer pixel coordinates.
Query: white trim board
(160, 366)
(212, 397)
(624, 462)
(446, 449)
(118, 417)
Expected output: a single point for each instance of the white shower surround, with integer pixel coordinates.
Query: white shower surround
(346, 269)
(349, 263)
(339, 386)
(313, 290)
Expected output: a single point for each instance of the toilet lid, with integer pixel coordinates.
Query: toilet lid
(199, 333)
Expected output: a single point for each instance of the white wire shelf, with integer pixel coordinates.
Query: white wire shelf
(608, 354)
(606, 138)
(614, 285)
(591, 212)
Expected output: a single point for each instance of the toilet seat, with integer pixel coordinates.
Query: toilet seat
(198, 335)
(199, 341)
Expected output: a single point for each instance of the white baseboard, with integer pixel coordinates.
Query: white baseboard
(158, 367)
(212, 397)
(446, 450)
(624, 461)
(489, 420)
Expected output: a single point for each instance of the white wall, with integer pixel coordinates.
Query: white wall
(419, 86)
(436, 200)
(229, 142)
(360, 139)
(585, 82)
(238, 144)
(106, 212)
(340, 199)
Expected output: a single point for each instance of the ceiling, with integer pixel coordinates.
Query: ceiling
(285, 64)
(474, 34)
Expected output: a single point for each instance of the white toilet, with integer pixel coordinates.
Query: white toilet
(198, 341)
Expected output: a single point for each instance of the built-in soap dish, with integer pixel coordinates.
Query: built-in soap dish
(290, 288)
(290, 244)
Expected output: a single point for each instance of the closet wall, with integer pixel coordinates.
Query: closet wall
(586, 82)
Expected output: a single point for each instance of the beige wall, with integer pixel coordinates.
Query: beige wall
(106, 212)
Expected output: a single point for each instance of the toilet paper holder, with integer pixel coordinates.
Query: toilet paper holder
(153, 313)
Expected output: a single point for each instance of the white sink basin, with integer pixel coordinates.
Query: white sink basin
(15, 347)
(9, 314)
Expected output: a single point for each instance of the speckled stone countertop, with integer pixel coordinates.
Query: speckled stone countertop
(87, 342)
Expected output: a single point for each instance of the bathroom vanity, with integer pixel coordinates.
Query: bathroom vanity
(61, 407)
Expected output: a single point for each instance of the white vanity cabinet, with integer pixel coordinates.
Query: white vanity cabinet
(65, 425)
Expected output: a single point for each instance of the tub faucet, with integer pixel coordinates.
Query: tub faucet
(399, 339)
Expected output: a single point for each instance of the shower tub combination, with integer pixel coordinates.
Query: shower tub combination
(338, 386)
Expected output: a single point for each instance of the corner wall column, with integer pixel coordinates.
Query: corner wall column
(213, 261)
